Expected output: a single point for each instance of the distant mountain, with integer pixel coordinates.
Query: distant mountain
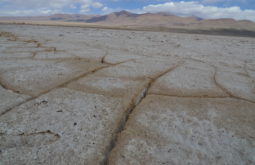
(128, 19)
(55, 17)
(115, 17)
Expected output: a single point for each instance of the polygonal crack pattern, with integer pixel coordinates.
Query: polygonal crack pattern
(72, 95)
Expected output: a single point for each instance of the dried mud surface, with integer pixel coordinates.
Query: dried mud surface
(71, 95)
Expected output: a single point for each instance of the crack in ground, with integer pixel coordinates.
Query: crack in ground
(10, 36)
(33, 133)
(28, 139)
(33, 54)
(10, 89)
(103, 58)
(226, 90)
(245, 68)
(61, 85)
(189, 96)
(135, 101)
(13, 37)
(203, 97)
(142, 95)
(58, 86)
(218, 84)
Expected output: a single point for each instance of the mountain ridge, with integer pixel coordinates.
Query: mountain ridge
(129, 19)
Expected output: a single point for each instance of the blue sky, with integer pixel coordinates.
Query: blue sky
(237, 9)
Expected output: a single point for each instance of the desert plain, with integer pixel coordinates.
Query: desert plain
(72, 95)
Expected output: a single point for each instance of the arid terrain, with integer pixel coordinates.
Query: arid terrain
(148, 21)
(75, 95)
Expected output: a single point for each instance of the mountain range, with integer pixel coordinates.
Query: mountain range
(147, 20)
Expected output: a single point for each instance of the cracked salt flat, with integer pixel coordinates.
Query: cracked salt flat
(34, 80)
(170, 130)
(191, 79)
(124, 97)
(9, 99)
(83, 122)
(238, 85)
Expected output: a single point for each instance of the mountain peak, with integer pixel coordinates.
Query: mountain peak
(125, 13)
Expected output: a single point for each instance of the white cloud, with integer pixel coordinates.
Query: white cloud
(28, 12)
(193, 8)
(199, 8)
(84, 8)
(107, 10)
(45, 7)
(223, 1)
(72, 6)
(87, 4)
(97, 5)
